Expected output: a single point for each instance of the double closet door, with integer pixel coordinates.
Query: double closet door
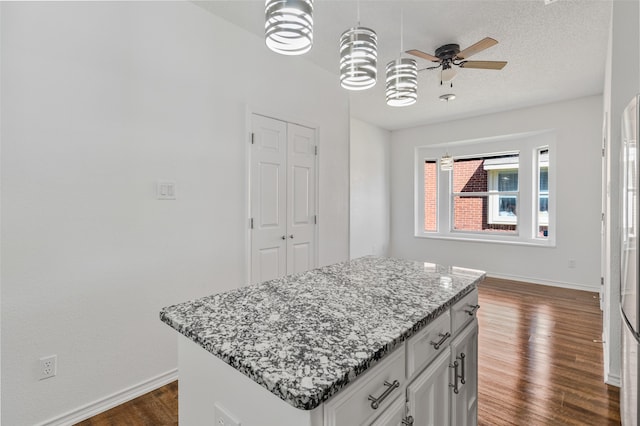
(282, 198)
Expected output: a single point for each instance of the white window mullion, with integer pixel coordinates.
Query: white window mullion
(445, 202)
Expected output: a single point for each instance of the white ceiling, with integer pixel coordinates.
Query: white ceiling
(555, 52)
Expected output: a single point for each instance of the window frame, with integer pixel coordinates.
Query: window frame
(527, 146)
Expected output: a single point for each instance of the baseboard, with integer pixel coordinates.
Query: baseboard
(613, 380)
(82, 413)
(562, 284)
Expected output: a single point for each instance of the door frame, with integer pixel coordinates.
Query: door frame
(275, 115)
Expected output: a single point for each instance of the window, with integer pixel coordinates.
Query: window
(503, 181)
(543, 193)
(494, 191)
(485, 193)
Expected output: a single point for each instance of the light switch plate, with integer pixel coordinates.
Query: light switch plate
(223, 418)
(166, 190)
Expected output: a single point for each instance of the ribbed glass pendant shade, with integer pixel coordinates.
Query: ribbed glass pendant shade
(358, 58)
(402, 82)
(288, 26)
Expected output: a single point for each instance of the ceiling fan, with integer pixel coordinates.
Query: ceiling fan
(450, 54)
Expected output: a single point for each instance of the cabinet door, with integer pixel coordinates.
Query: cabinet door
(428, 394)
(393, 415)
(464, 403)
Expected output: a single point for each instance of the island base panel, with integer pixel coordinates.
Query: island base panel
(205, 381)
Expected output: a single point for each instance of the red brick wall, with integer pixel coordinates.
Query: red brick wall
(469, 213)
(430, 196)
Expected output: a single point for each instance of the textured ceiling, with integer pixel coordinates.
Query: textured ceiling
(555, 51)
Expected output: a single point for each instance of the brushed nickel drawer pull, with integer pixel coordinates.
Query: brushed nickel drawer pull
(408, 421)
(455, 377)
(375, 402)
(473, 310)
(439, 343)
(461, 358)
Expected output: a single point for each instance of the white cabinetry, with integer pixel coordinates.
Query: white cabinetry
(369, 395)
(446, 391)
(464, 393)
(428, 394)
(441, 384)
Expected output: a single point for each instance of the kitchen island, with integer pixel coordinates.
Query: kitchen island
(316, 348)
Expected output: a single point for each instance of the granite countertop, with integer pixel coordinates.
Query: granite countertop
(306, 336)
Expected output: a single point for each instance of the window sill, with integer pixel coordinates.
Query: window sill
(490, 239)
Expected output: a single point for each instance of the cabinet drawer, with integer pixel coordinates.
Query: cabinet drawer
(352, 406)
(464, 311)
(423, 347)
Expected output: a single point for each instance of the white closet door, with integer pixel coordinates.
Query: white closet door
(268, 199)
(301, 198)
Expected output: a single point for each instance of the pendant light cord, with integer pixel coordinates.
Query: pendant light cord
(401, 31)
(358, 11)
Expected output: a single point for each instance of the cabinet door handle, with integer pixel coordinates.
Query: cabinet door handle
(455, 377)
(461, 358)
(284, 237)
(291, 236)
(375, 402)
(473, 309)
(439, 343)
(408, 421)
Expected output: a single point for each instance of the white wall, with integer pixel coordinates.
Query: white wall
(577, 124)
(369, 189)
(99, 101)
(623, 71)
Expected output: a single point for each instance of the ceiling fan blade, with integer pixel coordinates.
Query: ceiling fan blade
(421, 54)
(484, 65)
(483, 44)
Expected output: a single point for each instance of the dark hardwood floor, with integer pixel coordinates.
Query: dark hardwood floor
(540, 363)
(540, 357)
(156, 408)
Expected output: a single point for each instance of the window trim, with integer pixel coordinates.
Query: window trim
(527, 145)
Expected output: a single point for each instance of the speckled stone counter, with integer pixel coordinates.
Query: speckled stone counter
(306, 336)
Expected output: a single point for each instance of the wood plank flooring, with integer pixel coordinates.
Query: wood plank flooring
(540, 357)
(156, 408)
(538, 364)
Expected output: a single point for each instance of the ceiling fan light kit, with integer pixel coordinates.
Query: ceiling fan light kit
(289, 26)
(358, 58)
(402, 82)
(447, 75)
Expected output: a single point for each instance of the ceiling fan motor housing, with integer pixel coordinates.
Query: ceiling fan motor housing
(448, 51)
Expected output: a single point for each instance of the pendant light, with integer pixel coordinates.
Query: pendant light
(446, 162)
(288, 26)
(402, 79)
(358, 57)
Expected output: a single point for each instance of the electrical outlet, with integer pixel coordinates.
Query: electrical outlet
(223, 418)
(48, 366)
